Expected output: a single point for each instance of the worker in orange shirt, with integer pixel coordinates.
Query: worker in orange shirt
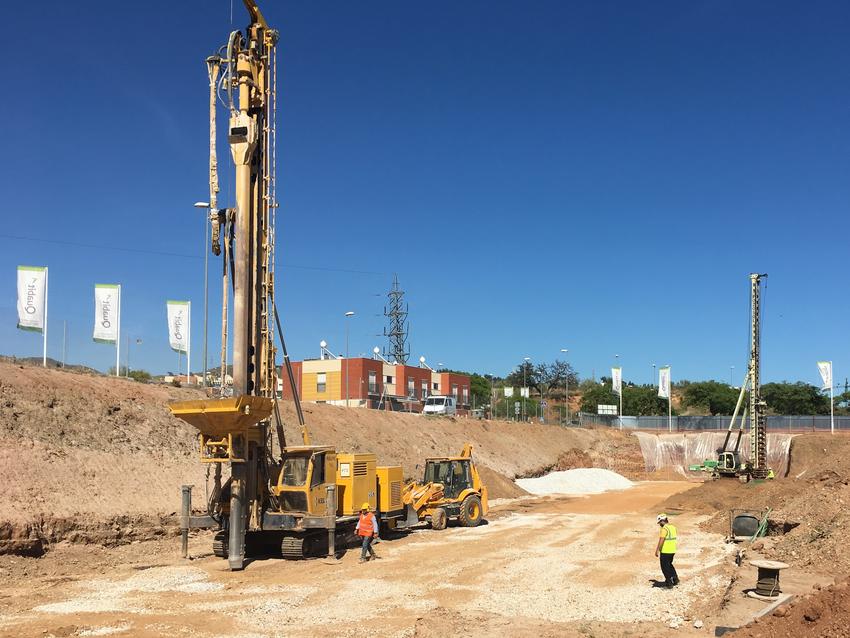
(367, 529)
(666, 550)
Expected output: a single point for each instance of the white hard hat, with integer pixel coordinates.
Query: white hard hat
(661, 517)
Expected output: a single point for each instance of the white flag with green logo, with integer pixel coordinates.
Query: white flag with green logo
(825, 369)
(617, 380)
(664, 382)
(107, 312)
(178, 325)
(32, 294)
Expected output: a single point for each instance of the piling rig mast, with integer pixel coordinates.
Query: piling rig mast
(729, 461)
(266, 499)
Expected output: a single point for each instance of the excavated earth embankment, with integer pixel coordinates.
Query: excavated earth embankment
(94, 459)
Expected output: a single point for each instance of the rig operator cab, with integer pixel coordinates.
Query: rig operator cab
(730, 464)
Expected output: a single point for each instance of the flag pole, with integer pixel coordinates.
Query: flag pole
(670, 399)
(44, 345)
(118, 338)
(831, 397)
(621, 400)
(188, 342)
(670, 407)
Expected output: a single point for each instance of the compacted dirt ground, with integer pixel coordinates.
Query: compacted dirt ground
(91, 468)
(541, 566)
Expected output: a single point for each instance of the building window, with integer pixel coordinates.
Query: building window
(411, 387)
(373, 382)
(436, 387)
(465, 395)
(454, 390)
(321, 382)
(389, 380)
(424, 389)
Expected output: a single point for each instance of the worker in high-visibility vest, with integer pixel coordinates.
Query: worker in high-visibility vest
(666, 550)
(367, 529)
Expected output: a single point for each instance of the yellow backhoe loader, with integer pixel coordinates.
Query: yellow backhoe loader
(451, 489)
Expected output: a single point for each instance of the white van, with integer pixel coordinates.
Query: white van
(444, 406)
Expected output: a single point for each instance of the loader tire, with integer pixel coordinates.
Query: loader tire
(470, 511)
(439, 519)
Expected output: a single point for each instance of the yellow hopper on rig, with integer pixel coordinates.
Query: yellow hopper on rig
(224, 425)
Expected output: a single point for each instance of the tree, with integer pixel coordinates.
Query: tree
(143, 376)
(643, 400)
(638, 400)
(596, 394)
(554, 374)
(525, 374)
(479, 388)
(710, 396)
(794, 398)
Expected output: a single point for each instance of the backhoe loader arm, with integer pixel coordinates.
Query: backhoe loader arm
(418, 496)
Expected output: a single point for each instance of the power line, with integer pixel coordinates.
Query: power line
(161, 253)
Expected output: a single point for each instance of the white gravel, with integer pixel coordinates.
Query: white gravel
(112, 595)
(104, 631)
(585, 480)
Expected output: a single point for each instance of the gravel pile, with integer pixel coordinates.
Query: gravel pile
(585, 480)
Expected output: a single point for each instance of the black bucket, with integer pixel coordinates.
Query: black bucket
(745, 525)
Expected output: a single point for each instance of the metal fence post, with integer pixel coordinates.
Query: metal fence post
(185, 513)
(331, 514)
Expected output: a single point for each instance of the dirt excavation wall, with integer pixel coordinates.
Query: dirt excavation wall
(88, 458)
(677, 451)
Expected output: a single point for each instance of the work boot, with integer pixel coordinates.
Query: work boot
(362, 560)
(675, 582)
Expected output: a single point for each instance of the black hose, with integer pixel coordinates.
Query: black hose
(288, 367)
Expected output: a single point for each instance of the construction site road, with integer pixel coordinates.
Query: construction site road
(540, 567)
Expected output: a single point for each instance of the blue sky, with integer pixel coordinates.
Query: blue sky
(598, 176)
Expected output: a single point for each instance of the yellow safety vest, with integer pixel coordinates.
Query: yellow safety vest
(668, 533)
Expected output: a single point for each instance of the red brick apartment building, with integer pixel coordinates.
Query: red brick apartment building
(372, 383)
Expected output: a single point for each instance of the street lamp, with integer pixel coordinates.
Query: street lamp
(206, 206)
(731, 381)
(567, 386)
(348, 315)
(652, 380)
(524, 385)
